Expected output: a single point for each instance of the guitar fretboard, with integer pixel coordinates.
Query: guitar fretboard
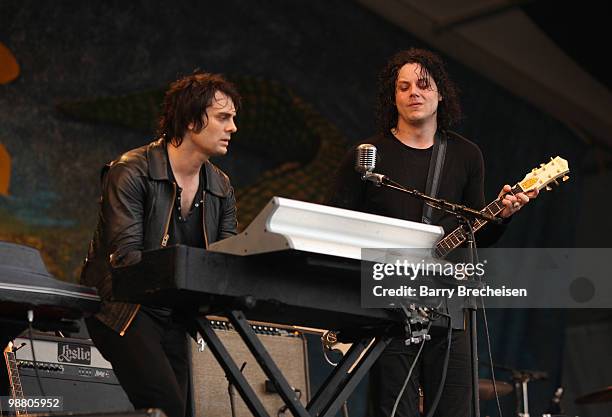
(459, 235)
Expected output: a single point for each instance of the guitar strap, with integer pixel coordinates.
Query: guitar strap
(436, 163)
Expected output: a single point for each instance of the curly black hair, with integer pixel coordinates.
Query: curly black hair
(186, 101)
(449, 109)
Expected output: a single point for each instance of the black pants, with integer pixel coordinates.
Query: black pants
(150, 361)
(389, 372)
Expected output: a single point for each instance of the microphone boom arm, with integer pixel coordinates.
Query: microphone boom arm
(437, 203)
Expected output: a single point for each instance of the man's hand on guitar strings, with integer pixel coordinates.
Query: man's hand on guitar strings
(514, 202)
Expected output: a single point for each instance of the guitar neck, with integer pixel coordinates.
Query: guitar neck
(459, 235)
(15, 381)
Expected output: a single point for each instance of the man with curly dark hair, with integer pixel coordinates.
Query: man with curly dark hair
(430, 68)
(417, 105)
(165, 193)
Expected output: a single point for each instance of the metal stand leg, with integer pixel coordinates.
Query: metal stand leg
(338, 376)
(262, 356)
(331, 395)
(471, 243)
(474, 363)
(525, 397)
(356, 375)
(231, 370)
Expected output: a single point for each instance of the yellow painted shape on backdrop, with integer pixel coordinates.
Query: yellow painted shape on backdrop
(9, 68)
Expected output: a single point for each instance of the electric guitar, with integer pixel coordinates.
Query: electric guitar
(537, 179)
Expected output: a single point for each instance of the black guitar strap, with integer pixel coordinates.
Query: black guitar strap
(436, 164)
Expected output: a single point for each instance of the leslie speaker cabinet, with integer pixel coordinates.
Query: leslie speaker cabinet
(72, 369)
(210, 396)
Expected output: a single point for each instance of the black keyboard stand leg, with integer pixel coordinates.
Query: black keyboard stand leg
(266, 363)
(338, 376)
(231, 369)
(331, 395)
(340, 384)
(333, 406)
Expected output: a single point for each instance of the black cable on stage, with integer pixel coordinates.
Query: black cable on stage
(444, 368)
(486, 325)
(30, 320)
(326, 357)
(484, 315)
(416, 359)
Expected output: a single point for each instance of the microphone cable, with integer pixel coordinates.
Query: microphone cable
(486, 326)
(444, 366)
(414, 362)
(38, 380)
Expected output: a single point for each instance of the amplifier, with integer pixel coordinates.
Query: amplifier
(70, 368)
(210, 396)
(75, 370)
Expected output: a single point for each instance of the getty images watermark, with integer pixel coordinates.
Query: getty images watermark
(499, 278)
(403, 269)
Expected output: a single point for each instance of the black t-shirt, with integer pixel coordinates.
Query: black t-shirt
(405, 165)
(462, 181)
(189, 230)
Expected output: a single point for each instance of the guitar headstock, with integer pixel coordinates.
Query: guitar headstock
(546, 174)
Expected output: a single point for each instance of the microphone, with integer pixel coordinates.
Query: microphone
(365, 162)
(365, 158)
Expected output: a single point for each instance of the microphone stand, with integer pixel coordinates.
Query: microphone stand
(461, 211)
(473, 255)
(521, 377)
(465, 216)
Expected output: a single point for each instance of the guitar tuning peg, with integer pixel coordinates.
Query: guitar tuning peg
(548, 188)
(542, 165)
(565, 178)
(556, 183)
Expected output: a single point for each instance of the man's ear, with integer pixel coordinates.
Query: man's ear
(190, 126)
(439, 98)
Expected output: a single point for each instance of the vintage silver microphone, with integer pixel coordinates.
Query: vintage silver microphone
(365, 162)
(365, 158)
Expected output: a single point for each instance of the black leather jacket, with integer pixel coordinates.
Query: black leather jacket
(135, 210)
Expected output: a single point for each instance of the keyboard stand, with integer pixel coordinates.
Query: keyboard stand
(328, 399)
